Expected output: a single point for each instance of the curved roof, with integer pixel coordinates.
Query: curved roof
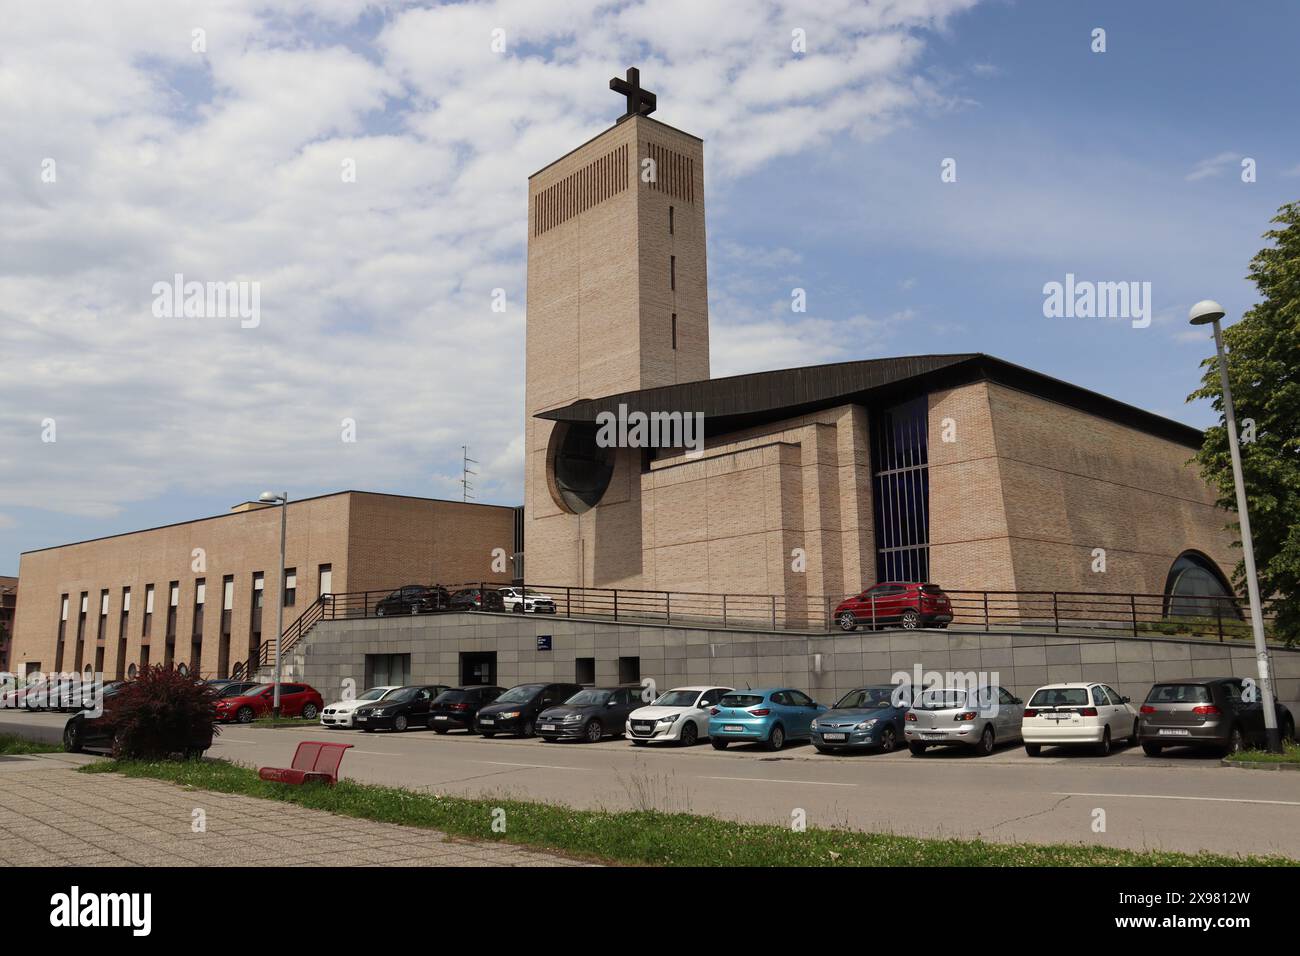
(742, 401)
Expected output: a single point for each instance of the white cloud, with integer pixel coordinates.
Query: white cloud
(375, 295)
(1213, 166)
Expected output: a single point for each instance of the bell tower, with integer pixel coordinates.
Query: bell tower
(617, 302)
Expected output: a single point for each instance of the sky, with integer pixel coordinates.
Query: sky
(364, 166)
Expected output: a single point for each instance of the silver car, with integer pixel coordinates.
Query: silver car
(980, 718)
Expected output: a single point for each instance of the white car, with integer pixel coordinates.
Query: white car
(534, 602)
(1078, 713)
(340, 714)
(680, 715)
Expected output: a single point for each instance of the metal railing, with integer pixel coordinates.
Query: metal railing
(1141, 615)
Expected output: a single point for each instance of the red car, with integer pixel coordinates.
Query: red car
(908, 604)
(296, 700)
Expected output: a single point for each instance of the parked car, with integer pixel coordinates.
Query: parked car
(590, 714)
(414, 599)
(680, 715)
(909, 605)
(1077, 713)
(1206, 712)
(980, 718)
(515, 711)
(477, 599)
(455, 709)
(865, 718)
(520, 601)
(83, 732)
(398, 709)
(296, 700)
(340, 713)
(770, 715)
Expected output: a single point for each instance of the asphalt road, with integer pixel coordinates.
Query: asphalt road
(1183, 801)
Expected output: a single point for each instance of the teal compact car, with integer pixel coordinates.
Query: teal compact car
(769, 715)
(867, 718)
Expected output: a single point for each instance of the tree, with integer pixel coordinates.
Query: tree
(1264, 374)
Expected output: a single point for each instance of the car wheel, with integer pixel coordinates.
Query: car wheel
(1236, 742)
(848, 622)
(379, 612)
(593, 732)
(910, 620)
(1033, 749)
(400, 723)
(244, 715)
(1287, 729)
(776, 739)
(690, 734)
(719, 744)
(528, 729)
(1150, 749)
(888, 740)
(985, 746)
(195, 753)
(72, 736)
(1103, 748)
(518, 609)
(916, 749)
(309, 712)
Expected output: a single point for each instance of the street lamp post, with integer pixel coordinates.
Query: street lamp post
(282, 499)
(1209, 312)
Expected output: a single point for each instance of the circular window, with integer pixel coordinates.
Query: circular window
(578, 469)
(1196, 588)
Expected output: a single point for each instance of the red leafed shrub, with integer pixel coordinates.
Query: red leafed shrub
(161, 714)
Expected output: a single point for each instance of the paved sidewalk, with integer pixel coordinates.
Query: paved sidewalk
(51, 815)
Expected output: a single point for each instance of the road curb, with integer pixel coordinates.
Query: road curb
(1258, 765)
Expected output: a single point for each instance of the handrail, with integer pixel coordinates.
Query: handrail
(1224, 618)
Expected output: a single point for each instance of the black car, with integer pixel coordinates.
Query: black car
(515, 711)
(85, 732)
(478, 599)
(456, 708)
(400, 709)
(233, 688)
(414, 599)
(590, 714)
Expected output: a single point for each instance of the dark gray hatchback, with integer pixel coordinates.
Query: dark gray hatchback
(1212, 712)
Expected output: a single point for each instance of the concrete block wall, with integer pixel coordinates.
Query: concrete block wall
(335, 651)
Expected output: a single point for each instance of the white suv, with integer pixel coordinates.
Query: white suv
(1078, 713)
(522, 601)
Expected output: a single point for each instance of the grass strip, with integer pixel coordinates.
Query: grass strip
(13, 746)
(651, 838)
(1290, 754)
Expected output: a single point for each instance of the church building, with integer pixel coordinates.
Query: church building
(811, 483)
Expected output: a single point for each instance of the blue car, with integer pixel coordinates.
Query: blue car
(865, 718)
(770, 716)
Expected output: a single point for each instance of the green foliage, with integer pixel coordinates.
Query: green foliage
(1264, 374)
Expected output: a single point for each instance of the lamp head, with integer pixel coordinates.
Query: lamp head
(1205, 312)
(270, 497)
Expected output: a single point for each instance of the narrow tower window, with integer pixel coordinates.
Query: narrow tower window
(670, 220)
(672, 272)
(674, 330)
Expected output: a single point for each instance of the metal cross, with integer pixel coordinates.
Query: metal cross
(639, 102)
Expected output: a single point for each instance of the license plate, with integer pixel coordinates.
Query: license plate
(486, 720)
(640, 726)
(1057, 716)
(362, 720)
(733, 728)
(441, 717)
(835, 736)
(548, 726)
(1174, 732)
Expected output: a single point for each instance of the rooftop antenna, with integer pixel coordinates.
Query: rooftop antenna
(465, 486)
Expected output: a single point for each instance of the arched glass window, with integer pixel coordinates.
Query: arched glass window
(1196, 588)
(131, 672)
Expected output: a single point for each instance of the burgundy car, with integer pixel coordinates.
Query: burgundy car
(296, 700)
(907, 604)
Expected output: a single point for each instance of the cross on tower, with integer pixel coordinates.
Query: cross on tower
(639, 102)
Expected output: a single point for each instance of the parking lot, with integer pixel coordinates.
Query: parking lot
(1180, 801)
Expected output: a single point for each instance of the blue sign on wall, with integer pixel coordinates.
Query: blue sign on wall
(543, 642)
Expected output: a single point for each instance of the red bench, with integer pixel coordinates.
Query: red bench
(313, 760)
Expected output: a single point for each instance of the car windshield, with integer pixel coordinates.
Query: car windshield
(865, 698)
(253, 691)
(375, 693)
(232, 690)
(677, 698)
(586, 697)
(453, 695)
(517, 695)
(401, 694)
(1179, 694)
(1060, 697)
(741, 700)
